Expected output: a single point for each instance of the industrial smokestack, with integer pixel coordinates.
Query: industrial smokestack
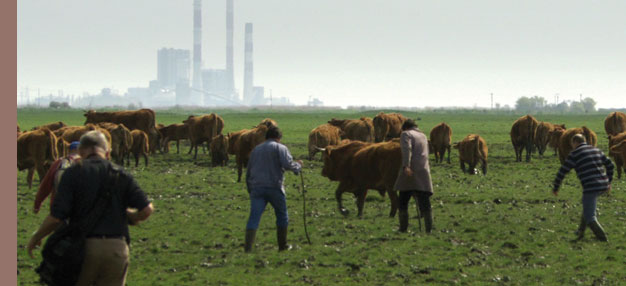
(230, 73)
(248, 82)
(197, 54)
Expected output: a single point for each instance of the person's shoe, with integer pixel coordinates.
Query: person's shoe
(403, 215)
(250, 234)
(281, 235)
(598, 231)
(580, 232)
(428, 221)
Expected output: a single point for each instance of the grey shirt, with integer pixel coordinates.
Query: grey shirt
(267, 164)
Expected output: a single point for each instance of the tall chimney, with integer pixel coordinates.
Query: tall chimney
(248, 82)
(196, 85)
(230, 73)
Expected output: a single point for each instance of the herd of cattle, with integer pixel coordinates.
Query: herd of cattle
(361, 154)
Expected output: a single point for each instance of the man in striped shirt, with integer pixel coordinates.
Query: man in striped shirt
(588, 161)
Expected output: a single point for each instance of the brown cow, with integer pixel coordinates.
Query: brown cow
(121, 140)
(619, 150)
(52, 126)
(440, 141)
(245, 141)
(142, 119)
(565, 146)
(202, 129)
(359, 166)
(472, 150)
(522, 136)
(35, 151)
(615, 123)
(355, 129)
(322, 136)
(543, 135)
(140, 146)
(387, 126)
(617, 157)
(268, 122)
(175, 132)
(73, 133)
(218, 149)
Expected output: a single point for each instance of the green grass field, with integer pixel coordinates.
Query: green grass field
(503, 228)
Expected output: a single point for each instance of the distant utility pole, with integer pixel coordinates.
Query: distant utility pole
(581, 97)
(270, 99)
(492, 100)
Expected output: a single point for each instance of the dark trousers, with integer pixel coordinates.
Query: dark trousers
(423, 200)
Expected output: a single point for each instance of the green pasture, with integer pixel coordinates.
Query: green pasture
(505, 228)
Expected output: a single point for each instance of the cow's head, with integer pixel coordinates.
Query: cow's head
(268, 122)
(90, 116)
(381, 127)
(336, 122)
(328, 170)
(456, 145)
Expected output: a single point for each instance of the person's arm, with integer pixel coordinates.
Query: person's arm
(137, 216)
(565, 168)
(286, 160)
(45, 188)
(406, 148)
(47, 227)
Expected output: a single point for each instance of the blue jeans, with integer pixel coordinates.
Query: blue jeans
(589, 206)
(259, 197)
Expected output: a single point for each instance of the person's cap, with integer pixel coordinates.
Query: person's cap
(74, 145)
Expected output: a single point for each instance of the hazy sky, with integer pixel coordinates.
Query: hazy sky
(345, 52)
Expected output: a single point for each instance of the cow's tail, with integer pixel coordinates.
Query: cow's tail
(51, 149)
(588, 135)
(214, 129)
(145, 146)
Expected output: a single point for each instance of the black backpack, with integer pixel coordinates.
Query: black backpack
(64, 251)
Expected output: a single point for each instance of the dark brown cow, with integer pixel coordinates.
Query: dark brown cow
(202, 129)
(440, 141)
(245, 141)
(473, 150)
(140, 146)
(387, 126)
(355, 129)
(565, 146)
(619, 150)
(359, 166)
(615, 123)
(617, 157)
(218, 149)
(52, 126)
(543, 136)
(175, 132)
(522, 136)
(142, 119)
(121, 140)
(35, 151)
(268, 122)
(322, 136)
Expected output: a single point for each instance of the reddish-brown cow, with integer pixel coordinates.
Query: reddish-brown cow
(473, 150)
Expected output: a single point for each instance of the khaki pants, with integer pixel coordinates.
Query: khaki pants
(106, 262)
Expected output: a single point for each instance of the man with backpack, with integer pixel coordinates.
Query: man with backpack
(51, 180)
(102, 200)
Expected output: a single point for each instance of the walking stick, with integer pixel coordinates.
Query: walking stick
(304, 207)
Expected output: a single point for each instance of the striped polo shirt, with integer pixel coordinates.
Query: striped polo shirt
(588, 161)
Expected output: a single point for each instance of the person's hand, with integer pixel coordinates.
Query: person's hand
(32, 244)
(408, 171)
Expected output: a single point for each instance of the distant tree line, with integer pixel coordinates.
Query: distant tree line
(537, 104)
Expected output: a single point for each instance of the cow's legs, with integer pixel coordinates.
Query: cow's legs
(529, 148)
(472, 168)
(484, 164)
(239, 168)
(448, 147)
(462, 165)
(136, 155)
(195, 154)
(338, 192)
(360, 201)
(177, 147)
(29, 177)
(145, 158)
(393, 198)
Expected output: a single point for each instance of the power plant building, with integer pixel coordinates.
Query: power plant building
(172, 67)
